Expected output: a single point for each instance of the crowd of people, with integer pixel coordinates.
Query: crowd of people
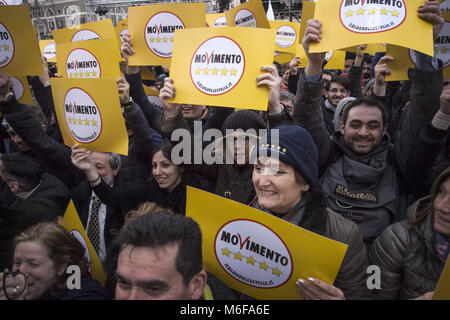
(359, 160)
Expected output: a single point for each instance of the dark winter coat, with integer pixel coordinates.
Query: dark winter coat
(410, 266)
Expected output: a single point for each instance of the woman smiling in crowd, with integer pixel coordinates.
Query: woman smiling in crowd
(166, 186)
(43, 253)
(285, 177)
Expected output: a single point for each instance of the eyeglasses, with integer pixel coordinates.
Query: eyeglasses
(336, 90)
(14, 284)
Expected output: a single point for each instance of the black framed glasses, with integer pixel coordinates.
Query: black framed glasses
(14, 284)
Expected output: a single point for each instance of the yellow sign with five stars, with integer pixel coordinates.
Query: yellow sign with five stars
(351, 23)
(89, 59)
(248, 14)
(219, 66)
(257, 253)
(152, 27)
(89, 113)
(287, 35)
(19, 49)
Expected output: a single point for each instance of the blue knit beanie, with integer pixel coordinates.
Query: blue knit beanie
(296, 147)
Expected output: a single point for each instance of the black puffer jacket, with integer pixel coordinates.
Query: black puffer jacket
(409, 264)
(351, 278)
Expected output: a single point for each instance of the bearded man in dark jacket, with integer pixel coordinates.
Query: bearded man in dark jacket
(362, 176)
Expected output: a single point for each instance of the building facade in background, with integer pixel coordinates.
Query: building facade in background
(48, 15)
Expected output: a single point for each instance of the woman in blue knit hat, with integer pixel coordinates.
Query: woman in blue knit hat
(285, 178)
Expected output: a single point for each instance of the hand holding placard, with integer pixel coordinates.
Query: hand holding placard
(430, 12)
(127, 50)
(316, 289)
(381, 71)
(168, 92)
(272, 80)
(313, 34)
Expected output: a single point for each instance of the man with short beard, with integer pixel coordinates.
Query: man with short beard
(360, 169)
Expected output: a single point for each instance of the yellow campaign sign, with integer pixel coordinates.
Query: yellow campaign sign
(287, 34)
(152, 29)
(283, 57)
(89, 59)
(102, 29)
(146, 74)
(72, 223)
(335, 58)
(19, 49)
(371, 48)
(442, 46)
(219, 66)
(21, 89)
(403, 60)
(249, 14)
(48, 49)
(121, 29)
(347, 23)
(442, 291)
(89, 114)
(150, 91)
(302, 55)
(307, 14)
(259, 254)
(216, 20)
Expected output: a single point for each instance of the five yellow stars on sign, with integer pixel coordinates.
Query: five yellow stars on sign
(215, 71)
(87, 74)
(82, 122)
(250, 260)
(160, 39)
(361, 11)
